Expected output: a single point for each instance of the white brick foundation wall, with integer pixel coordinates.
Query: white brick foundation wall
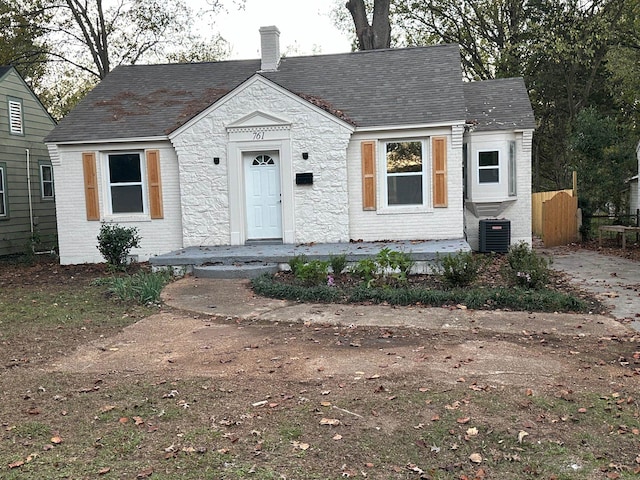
(78, 237)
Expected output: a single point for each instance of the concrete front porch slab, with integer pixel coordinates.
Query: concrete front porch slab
(421, 251)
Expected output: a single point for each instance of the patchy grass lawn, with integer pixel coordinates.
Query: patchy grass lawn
(269, 419)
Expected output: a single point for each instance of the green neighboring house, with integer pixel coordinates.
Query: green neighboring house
(27, 194)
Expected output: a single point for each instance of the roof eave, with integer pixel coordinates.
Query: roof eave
(410, 126)
(93, 141)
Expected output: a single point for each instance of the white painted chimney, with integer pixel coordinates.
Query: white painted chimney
(270, 47)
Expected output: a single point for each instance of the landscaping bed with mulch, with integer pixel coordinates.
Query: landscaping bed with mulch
(492, 289)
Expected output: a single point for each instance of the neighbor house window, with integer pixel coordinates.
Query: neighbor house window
(489, 167)
(404, 168)
(46, 181)
(16, 126)
(125, 183)
(3, 192)
(513, 179)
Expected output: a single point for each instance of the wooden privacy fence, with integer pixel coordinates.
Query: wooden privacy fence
(554, 217)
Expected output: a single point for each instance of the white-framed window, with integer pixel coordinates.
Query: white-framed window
(489, 166)
(405, 172)
(16, 124)
(126, 189)
(513, 178)
(46, 181)
(3, 192)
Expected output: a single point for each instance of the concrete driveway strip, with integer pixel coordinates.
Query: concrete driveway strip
(614, 280)
(234, 299)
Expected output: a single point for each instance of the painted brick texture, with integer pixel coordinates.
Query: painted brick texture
(320, 210)
(427, 224)
(78, 237)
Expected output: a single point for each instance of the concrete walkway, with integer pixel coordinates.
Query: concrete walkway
(614, 280)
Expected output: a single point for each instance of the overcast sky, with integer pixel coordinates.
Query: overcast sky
(305, 26)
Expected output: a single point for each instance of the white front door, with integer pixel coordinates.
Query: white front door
(264, 205)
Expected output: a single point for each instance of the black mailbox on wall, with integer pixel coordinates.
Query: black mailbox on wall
(304, 178)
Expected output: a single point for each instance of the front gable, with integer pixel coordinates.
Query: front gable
(256, 115)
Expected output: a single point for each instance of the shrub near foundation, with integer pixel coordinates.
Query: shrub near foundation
(525, 268)
(115, 242)
(372, 280)
(460, 269)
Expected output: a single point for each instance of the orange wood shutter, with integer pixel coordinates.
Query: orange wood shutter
(154, 184)
(368, 175)
(439, 145)
(91, 185)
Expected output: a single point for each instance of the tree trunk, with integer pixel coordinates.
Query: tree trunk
(377, 34)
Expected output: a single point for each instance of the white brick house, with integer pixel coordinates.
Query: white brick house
(377, 145)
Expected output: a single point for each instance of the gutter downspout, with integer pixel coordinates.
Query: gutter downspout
(29, 191)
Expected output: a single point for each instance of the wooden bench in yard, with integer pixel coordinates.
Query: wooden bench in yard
(618, 229)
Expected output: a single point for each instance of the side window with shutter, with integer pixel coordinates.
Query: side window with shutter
(368, 151)
(91, 186)
(439, 155)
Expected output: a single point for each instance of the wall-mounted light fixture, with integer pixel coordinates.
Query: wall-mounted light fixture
(216, 160)
(305, 155)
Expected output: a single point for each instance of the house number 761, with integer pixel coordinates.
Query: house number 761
(258, 135)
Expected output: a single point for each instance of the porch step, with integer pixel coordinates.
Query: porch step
(234, 271)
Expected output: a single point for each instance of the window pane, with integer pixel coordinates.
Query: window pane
(488, 159)
(489, 175)
(404, 157)
(126, 199)
(46, 173)
(3, 207)
(404, 190)
(47, 189)
(125, 168)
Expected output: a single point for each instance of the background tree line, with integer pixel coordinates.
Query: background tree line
(580, 60)
(64, 47)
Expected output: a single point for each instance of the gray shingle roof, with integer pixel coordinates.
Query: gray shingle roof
(4, 69)
(374, 88)
(501, 104)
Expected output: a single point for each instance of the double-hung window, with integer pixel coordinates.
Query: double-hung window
(125, 175)
(46, 181)
(405, 163)
(3, 192)
(489, 167)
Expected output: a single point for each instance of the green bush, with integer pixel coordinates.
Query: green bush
(296, 262)
(395, 264)
(338, 263)
(525, 268)
(115, 243)
(143, 287)
(387, 267)
(460, 269)
(312, 273)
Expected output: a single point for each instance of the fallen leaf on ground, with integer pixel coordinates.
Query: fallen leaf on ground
(146, 473)
(329, 421)
(17, 464)
(56, 440)
(475, 458)
(521, 435)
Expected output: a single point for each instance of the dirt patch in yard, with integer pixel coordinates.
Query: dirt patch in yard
(220, 383)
